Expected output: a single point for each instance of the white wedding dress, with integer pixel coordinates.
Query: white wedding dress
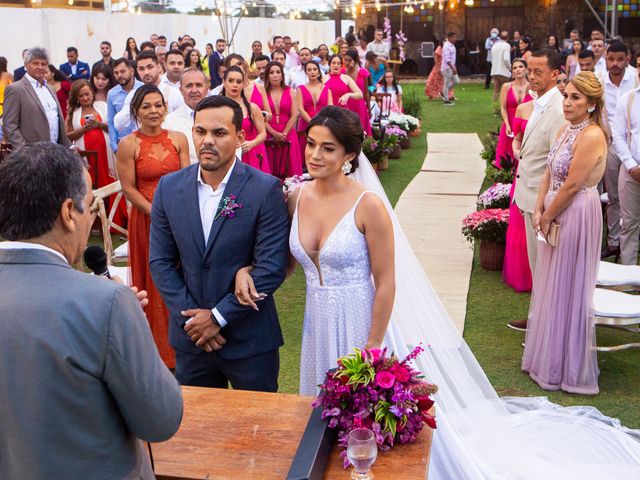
(479, 435)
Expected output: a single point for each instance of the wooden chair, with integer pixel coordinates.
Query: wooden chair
(382, 109)
(619, 310)
(106, 220)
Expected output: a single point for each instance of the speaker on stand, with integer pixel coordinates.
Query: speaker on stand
(426, 62)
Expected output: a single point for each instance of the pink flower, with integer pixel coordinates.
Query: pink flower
(385, 379)
(375, 353)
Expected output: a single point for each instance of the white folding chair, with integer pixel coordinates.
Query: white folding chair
(617, 310)
(613, 276)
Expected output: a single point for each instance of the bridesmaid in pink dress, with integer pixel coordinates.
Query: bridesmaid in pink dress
(285, 115)
(310, 98)
(254, 152)
(559, 352)
(362, 77)
(342, 86)
(512, 94)
(516, 271)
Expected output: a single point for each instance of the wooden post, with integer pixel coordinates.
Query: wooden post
(337, 17)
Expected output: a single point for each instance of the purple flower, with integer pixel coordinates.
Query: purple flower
(397, 411)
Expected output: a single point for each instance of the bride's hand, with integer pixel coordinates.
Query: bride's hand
(245, 289)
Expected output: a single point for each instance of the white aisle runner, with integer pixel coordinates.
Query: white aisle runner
(431, 210)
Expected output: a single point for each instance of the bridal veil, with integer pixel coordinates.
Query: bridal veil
(480, 435)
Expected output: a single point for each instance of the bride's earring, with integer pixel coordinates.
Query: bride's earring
(346, 167)
(591, 109)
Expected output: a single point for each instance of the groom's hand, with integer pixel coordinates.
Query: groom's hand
(202, 331)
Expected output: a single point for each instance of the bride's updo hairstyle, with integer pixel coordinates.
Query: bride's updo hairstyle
(345, 126)
(589, 86)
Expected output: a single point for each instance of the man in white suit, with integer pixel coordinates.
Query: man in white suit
(539, 136)
(193, 87)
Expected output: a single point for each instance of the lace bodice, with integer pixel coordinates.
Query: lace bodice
(157, 157)
(561, 155)
(343, 259)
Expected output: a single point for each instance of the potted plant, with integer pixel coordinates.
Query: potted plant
(408, 123)
(399, 134)
(489, 227)
(496, 196)
(371, 150)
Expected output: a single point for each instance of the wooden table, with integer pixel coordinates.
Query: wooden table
(234, 434)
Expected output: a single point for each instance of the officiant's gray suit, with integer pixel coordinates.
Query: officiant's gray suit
(81, 379)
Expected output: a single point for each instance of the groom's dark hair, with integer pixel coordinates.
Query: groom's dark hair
(220, 101)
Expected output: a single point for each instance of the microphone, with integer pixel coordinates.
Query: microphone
(96, 260)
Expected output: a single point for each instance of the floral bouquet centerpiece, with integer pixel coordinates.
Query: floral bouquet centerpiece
(496, 196)
(395, 131)
(372, 390)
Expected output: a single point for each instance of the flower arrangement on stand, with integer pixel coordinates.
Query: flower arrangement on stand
(386, 26)
(399, 135)
(496, 196)
(378, 147)
(373, 390)
(489, 227)
(402, 40)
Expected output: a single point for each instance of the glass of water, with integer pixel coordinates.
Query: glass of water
(362, 451)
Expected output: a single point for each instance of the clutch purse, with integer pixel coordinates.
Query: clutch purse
(554, 233)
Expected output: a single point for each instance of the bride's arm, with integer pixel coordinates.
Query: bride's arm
(378, 231)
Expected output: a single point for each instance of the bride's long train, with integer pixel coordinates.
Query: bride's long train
(480, 435)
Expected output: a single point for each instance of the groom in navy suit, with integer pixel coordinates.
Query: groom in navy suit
(208, 221)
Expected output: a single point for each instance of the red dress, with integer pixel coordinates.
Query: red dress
(257, 156)
(158, 156)
(278, 122)
(515, 270)
(63, 96)
(312, 107)
(94, 141)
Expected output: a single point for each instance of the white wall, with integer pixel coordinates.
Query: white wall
(57, 29)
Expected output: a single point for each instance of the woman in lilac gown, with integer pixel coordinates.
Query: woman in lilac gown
(282, 124)
(512, 94)
(311, 97)
(559, 348)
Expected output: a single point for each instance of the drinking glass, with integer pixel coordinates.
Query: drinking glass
(362, 451)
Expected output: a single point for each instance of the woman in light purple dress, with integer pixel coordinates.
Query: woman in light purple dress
(559, 347)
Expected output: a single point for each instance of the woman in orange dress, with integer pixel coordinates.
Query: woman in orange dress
(143, 158)
(435, 81)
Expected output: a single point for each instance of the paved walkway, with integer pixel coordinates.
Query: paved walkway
(431, 210)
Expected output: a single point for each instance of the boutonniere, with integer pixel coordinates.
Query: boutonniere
(228, 207)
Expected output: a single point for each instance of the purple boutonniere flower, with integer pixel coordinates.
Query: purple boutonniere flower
(228, 207)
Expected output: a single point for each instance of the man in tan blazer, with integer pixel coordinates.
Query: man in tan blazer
(31, 109)
(539, 136)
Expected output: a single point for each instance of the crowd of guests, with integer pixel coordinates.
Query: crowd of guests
(570, 129)
(134, 114)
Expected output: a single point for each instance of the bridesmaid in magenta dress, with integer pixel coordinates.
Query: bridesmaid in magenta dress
(285, 115)
(342, 86)
(516, 271)
(310, 98)
(362, 77)
(559, 352)
(254, 152)
(512, 94)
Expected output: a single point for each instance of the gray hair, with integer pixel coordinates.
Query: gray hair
(36, 53)
(193, 69)
(35, 180)
(161, 49)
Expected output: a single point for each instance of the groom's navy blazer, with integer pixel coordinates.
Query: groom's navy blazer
(190, 274)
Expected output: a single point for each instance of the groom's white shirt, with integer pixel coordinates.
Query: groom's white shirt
(209, 201)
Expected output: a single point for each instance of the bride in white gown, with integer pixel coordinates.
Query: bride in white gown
(348, 265)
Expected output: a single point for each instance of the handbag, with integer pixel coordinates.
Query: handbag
(554, 233)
